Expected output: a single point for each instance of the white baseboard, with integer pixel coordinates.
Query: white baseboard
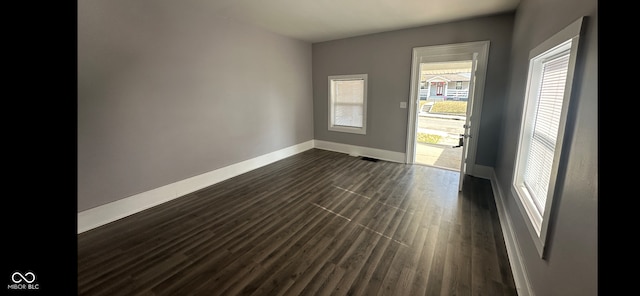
(518, 268)
(482, 171)
(361, 151)
(113, 211)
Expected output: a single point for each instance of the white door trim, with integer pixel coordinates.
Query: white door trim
(444, 53)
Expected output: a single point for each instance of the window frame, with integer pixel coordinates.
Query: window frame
(331, 118)
(538, 221)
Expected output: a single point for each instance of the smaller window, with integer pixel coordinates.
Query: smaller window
(458, 84)
(348, 103)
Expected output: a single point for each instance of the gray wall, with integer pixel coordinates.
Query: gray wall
(386, 58)
(167, 92)
(571, 267)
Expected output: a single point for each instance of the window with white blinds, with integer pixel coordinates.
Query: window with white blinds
(545, 128)
(546, 103)
(347, 103)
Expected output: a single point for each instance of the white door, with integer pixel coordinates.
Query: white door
(467, 134)
(478, 53)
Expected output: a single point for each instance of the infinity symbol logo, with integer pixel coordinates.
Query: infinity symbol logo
(28, 277)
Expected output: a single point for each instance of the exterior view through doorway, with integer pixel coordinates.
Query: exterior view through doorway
(442, 113)
(447, 86)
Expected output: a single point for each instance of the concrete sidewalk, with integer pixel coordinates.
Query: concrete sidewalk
(443, 116)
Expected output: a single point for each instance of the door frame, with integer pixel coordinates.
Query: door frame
(478, 51)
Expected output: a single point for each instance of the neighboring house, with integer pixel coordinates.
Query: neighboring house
(442, 87)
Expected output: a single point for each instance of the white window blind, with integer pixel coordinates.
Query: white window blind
(542, 144)
(348, 103)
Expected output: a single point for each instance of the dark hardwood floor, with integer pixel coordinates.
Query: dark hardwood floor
(317, 223)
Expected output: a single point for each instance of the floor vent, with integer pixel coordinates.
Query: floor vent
(369, 159)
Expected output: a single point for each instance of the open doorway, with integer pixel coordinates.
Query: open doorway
(463, 132)
(442, 113)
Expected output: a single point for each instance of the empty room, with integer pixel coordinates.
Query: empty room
(297, 147)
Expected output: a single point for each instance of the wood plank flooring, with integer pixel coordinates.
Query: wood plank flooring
(317, 223)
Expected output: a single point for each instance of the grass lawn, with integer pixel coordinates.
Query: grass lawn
(428, 138)
(450, 107)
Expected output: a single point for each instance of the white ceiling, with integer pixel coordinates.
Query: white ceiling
(322, 20)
